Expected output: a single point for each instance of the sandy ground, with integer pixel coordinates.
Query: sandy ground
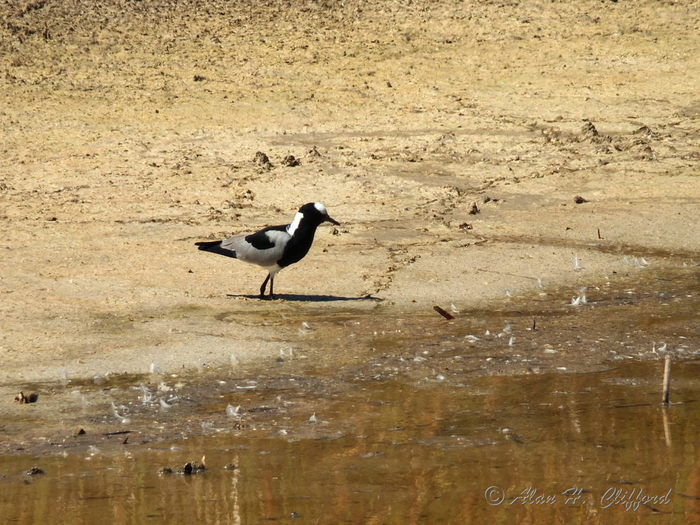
(129, 131)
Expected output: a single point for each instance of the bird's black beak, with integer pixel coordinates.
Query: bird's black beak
(328, 219)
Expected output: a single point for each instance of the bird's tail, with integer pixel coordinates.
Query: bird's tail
(215, 247)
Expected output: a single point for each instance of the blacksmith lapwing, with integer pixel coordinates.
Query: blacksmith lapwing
(274, 247)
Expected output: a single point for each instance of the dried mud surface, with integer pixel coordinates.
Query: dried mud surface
(450, 139)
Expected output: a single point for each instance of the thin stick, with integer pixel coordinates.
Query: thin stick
(667, 428)
(667, 380)
(443, 313)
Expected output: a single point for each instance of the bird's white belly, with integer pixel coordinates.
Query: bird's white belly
(273, 269)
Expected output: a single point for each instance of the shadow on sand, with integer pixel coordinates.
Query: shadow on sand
(307, 298)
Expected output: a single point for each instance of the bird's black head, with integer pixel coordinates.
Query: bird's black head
(315, 213)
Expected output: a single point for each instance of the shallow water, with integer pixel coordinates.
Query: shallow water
(391, 452)
(391, 419)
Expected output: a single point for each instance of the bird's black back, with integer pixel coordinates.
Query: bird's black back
(260, 241)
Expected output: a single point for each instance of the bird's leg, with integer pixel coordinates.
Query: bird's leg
(272, 281)
(264, 284)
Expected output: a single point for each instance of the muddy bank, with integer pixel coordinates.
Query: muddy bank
(451, 140)
(323, 356)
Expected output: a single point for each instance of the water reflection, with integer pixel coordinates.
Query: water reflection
(555, 448)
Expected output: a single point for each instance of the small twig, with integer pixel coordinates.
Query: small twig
(443, 313)
(667, 380)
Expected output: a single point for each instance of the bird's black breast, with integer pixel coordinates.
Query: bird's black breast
(260, 240)
(298, 246)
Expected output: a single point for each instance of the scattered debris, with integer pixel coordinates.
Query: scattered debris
(31, 398)
(262, 160)
(581, 299)
(589, 130)
(647, 154)
(290, 161)
(646, 131)
(473, 209)
(232, 411)
(35, 471)
(590, 133)
(487, 198)
(147, 395)
(192, 467)
(188, 469)
(577, 264)
(579, 200)
(313, 152)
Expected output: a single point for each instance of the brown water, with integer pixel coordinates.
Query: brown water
(394, 453)
(391, 420)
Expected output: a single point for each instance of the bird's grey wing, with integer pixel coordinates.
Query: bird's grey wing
(233, 243)
(263, 248)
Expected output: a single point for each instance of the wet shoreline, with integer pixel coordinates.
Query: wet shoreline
(639, 318)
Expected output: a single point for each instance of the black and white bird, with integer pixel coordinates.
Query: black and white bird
(274, 247)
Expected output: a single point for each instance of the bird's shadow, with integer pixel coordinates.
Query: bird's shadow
(307, 298)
